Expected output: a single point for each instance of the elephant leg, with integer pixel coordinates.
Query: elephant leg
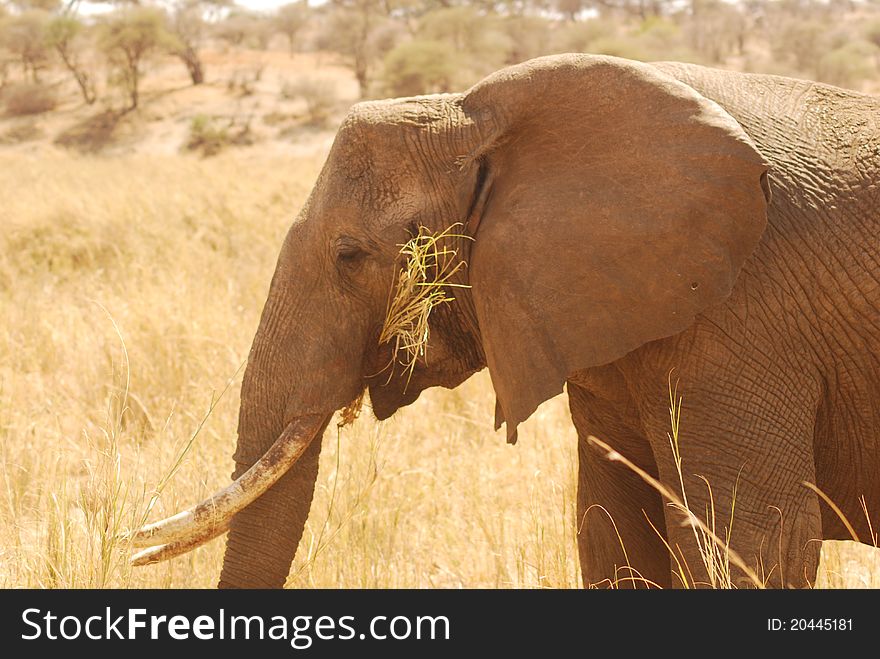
(617, 545)
(264, 536)
(847, 457)
(747, 429)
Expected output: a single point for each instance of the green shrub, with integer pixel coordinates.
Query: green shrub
(528, 36)
(849, 65)
(624, 46)
(872, 32)
(419, 67)
(319, 94)
(206, 136)
(580, 36)
(803, 40)
(479, 40)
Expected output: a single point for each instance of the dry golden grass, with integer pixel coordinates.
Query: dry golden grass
(716, 554)
(129, 293)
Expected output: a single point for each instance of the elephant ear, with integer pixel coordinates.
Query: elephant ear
(616, 204)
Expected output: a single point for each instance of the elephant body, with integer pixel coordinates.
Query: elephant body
(627, 226)
(782, 379)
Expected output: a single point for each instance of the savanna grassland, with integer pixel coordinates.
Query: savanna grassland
(130, 289)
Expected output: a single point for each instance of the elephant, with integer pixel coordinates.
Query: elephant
(614, 225)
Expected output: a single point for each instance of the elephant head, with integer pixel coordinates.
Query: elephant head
(597, 203)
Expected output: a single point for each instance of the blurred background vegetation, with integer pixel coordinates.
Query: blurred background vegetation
(104, 52)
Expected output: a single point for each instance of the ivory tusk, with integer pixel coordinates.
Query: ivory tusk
(209, 518)
(161, 553)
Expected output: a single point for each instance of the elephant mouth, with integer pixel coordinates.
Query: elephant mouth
(386, 399)
(205, 521)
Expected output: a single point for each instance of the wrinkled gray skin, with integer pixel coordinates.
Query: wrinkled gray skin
(777, 349)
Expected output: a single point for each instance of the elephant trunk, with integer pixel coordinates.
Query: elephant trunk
(301, 369)
(279, 438)
(264, 536)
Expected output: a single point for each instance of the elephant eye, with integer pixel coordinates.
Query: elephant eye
(349, 252)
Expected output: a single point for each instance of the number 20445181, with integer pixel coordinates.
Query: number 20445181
(810, 624)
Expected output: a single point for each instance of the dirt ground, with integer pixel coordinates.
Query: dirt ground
(243, 89)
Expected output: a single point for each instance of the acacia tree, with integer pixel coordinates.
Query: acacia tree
(188, 28)
(351, 31)
(290, 20)
(127, 38)
(872, 33)
(245, 28)
(63, 35)
(640, 8)
(24, 36)
(571, 9)
(5, 58)
(717, 30)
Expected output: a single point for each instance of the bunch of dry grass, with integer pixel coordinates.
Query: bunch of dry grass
(350, 413)
(431, 263)
(715, 551)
